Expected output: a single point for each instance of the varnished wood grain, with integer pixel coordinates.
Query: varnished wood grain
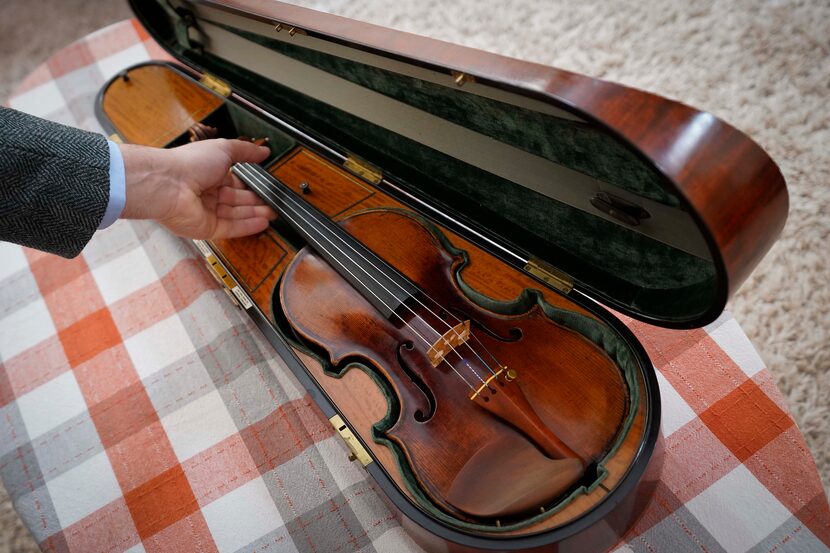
(155, 105)
(330, 189)
(356, 395)
(569, 399)
(254, 257)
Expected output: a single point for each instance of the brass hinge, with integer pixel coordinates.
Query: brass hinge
(357, 450)
(549, 274)
(235, 292)
(116, 138)
(216, 84)
(292, 30)
(363, 169)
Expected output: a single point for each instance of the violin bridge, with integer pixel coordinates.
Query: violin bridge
(454, 337)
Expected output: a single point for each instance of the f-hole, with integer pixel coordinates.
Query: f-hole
(419, 415)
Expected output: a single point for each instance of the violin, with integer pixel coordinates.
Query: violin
(498, 415)
(452, 224)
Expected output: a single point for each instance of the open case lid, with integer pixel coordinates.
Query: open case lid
(646, 204)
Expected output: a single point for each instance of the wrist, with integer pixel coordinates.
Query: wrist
(150, 183)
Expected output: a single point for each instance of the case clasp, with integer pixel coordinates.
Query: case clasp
(357, 450)
(223, 277)
(550, 275)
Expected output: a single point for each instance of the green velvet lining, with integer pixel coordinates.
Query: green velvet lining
(597, 332)
(610, 261)
(569, 143)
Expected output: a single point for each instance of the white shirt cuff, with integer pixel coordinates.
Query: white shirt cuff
(118, 195)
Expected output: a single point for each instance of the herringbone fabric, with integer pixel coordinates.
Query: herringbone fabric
(54, 183)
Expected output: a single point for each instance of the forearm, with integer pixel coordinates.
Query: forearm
(54, 183)
(55, 186)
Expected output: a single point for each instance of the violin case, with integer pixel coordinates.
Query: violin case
(576, 193)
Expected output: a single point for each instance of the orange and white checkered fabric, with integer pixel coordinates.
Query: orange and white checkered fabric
(141, 411)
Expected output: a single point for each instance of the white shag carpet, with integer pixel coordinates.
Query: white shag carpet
(763, 66)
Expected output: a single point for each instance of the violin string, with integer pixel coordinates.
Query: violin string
(296, 202)
(438, 305)
(417, 333)
(252, 175)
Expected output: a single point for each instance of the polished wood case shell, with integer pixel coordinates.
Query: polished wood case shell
(256, 264)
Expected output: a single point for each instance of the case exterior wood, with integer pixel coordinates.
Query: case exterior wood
(734, 189)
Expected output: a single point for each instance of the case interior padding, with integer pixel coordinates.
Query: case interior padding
(597, 332)
(627, 267)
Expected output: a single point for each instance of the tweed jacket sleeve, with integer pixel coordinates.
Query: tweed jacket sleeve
(54, 183)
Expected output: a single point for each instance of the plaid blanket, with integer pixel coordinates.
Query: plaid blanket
(141, 411)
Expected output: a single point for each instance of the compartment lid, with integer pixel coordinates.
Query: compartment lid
(645, 204)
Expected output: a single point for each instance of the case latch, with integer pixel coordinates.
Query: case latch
(549, 274)
(354, 445)
(223, 277)
(216, 84)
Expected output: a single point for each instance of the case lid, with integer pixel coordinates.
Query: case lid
(646, 204)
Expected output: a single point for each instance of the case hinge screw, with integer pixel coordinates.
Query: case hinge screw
(278, 27)
(292, 31)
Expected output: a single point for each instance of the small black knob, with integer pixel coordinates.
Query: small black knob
(304, 187)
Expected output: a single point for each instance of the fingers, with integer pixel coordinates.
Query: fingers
(235, 228)
(237, 196)
(224, 211)
(241, 151)
(242, 204)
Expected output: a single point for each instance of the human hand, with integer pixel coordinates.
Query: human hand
(191, 191)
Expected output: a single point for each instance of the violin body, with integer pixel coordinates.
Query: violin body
(466, 357)
(476, 458)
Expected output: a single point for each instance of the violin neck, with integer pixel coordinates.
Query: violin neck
(383, 286)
